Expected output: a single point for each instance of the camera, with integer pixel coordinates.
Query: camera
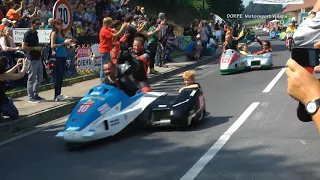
(307, 58)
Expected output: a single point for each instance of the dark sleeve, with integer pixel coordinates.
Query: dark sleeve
(106, 81)
(259, 41)
(26, 37)
(131, 30)
(242, 37)
(198, 85)
(142, 36)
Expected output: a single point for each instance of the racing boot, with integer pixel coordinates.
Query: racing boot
(308, 33)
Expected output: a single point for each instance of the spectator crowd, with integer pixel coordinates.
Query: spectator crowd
(117, 27)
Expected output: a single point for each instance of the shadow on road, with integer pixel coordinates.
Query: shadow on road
(137, 157)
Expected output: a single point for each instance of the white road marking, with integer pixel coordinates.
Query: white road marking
(179, 75)
(303, 142)
(210, 72)
(274, 81)
(204, 160)
(252, 44)
(159, 83)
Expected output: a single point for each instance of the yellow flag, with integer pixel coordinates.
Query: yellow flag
(241, 33)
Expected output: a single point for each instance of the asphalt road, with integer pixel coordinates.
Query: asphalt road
(250, 134)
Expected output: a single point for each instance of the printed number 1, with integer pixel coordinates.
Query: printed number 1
(83, 108)
(225, 60)
(64, 15)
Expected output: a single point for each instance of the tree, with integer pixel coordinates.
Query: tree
(227, 7)
(263, 9)
(186, 10)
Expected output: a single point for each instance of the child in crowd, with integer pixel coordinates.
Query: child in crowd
(192, 50)
(189, 81)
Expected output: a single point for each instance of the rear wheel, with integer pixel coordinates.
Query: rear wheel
(198, 117)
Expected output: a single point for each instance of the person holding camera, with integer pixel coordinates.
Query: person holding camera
(7, 107)
(305, 88)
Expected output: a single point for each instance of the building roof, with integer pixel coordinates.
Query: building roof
(295, 7)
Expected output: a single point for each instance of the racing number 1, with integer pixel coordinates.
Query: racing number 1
(225, 60)
(64, 14)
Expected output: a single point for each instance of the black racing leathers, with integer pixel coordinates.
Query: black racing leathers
(123, 82)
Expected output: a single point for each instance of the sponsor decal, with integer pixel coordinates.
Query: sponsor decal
(114, 122)
(241, 64)
(84, 107)
(225, 60)
(69, 133)
(125, 117)
(201, 100)
(95, 93)
(117, 108)
(93, 98)
(72, 128)
(193, 93)
(104, 108)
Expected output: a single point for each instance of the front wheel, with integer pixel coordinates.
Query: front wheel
(290, 45)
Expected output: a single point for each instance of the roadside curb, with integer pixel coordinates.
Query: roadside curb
(45, 87)
(27, 123)
(66, 82)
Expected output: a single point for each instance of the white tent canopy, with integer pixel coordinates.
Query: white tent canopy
(218, 18)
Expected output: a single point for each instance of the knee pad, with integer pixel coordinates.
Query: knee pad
(146, 89)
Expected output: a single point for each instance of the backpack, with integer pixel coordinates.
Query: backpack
(163, 36)
(51, 52)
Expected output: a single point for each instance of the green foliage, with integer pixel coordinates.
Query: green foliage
(263, 9)
(226, 7)
(186, 10)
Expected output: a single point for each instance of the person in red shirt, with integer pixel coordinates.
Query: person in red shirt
(266, 47)
(106, 36)
(115, 52)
